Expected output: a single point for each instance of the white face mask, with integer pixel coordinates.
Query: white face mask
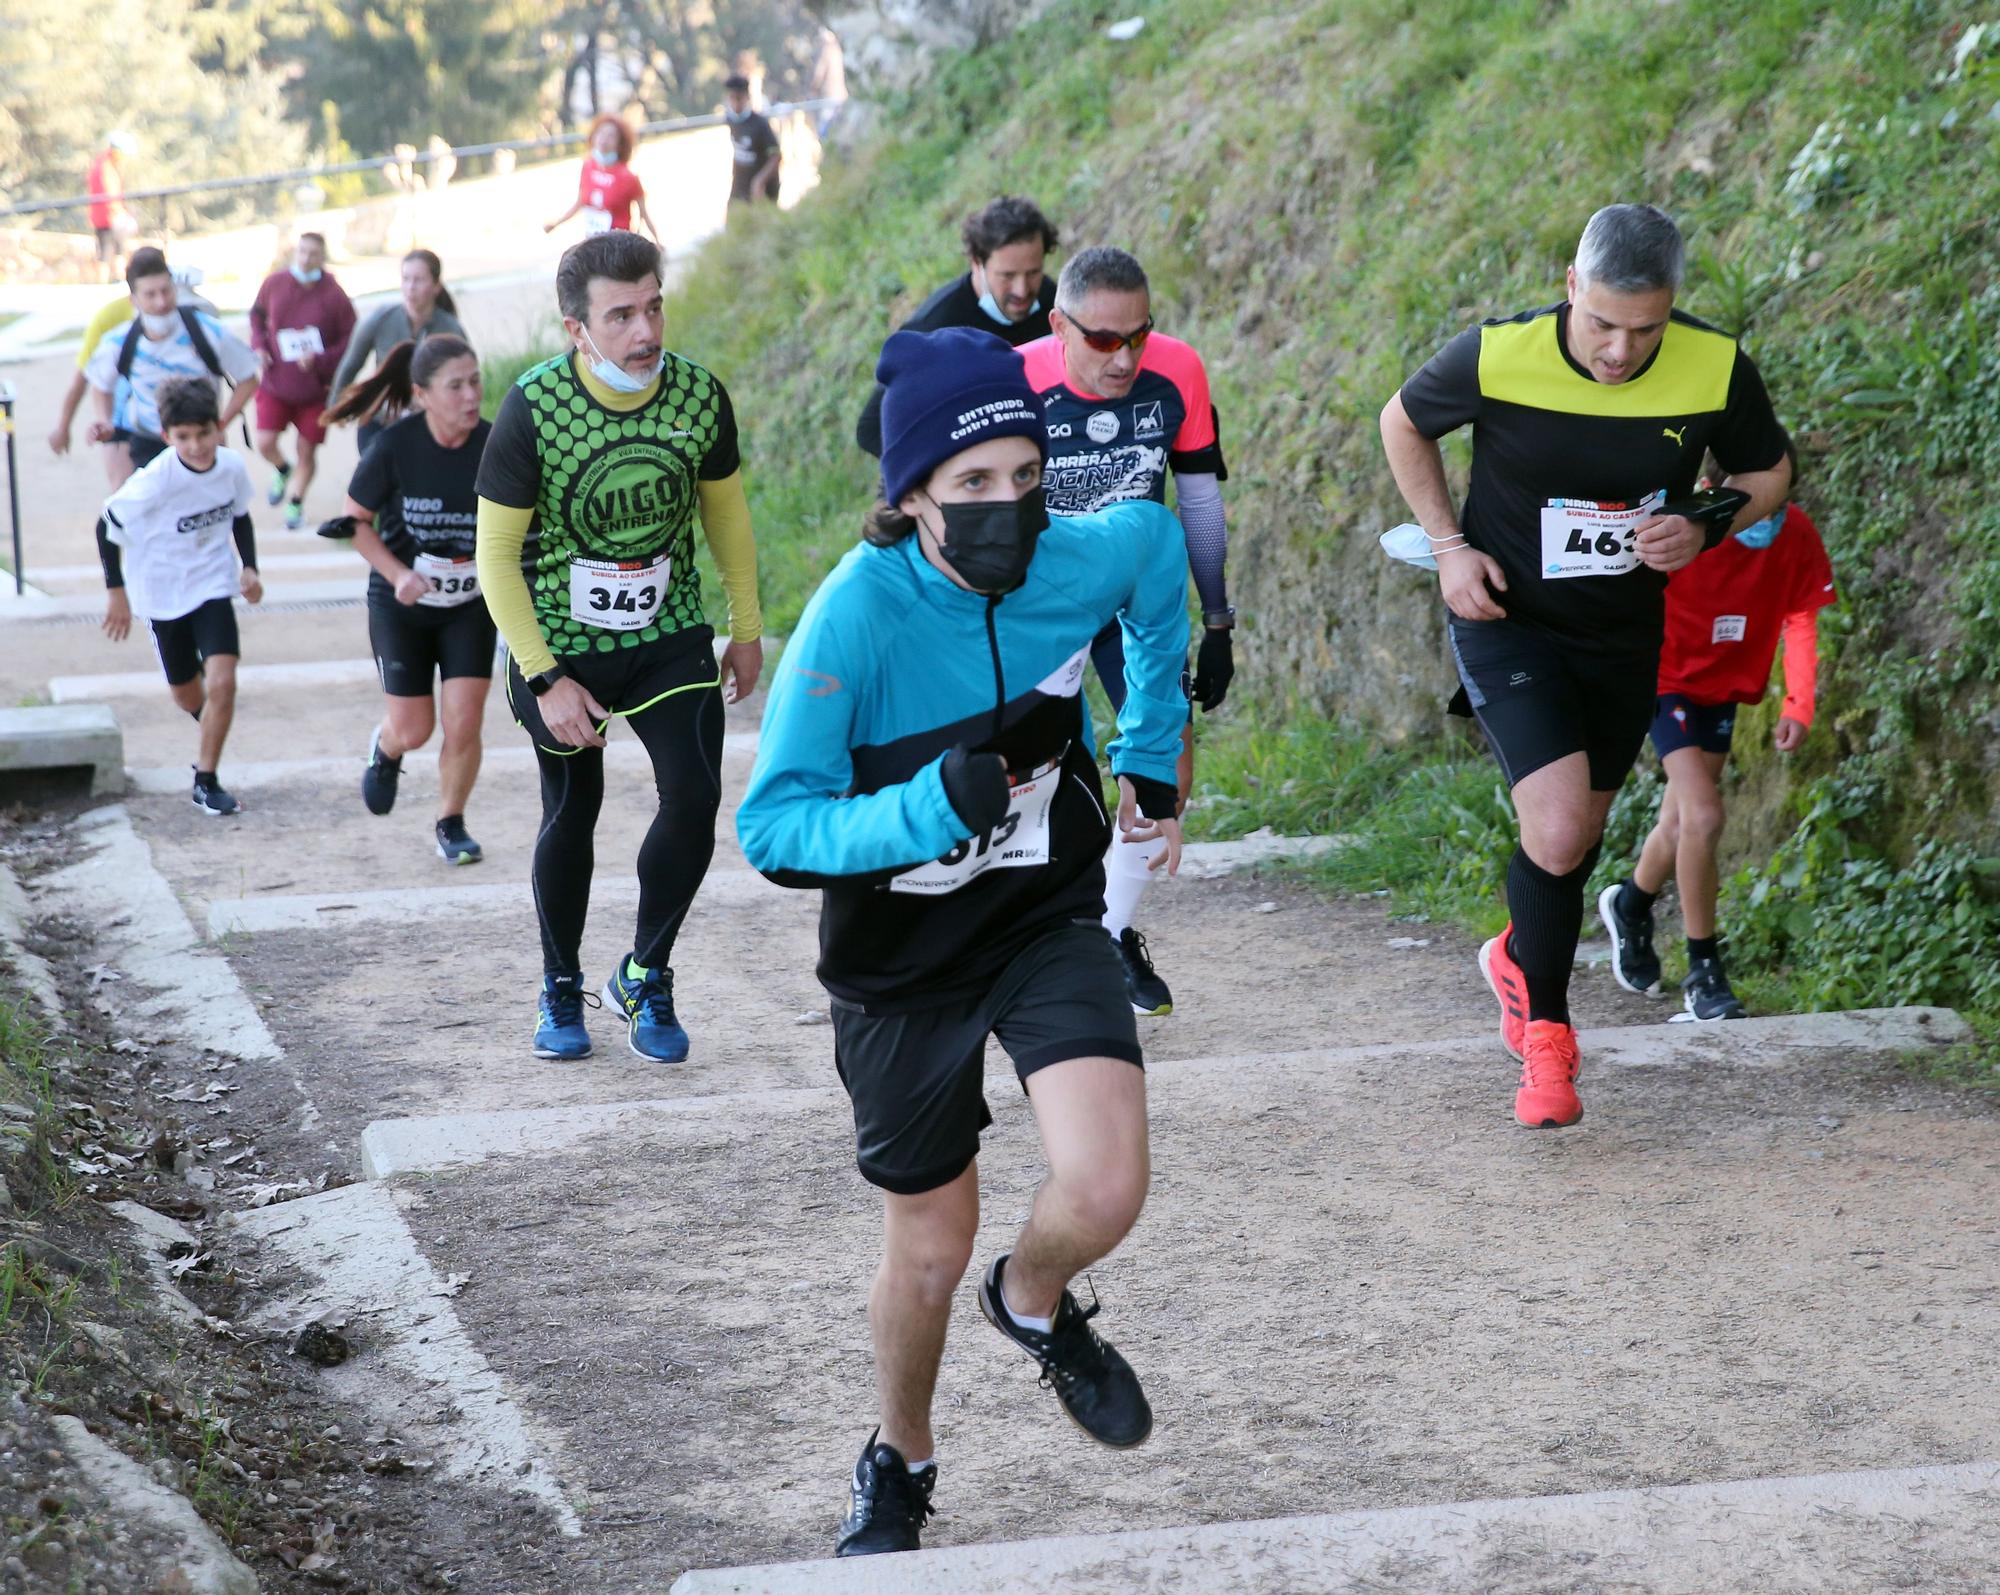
(616, 377)
(160, 326)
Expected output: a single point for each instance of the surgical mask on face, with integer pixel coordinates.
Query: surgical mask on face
(991, 307)
(308, 278)
(991, 544)
(1761, 534)
(736, 116)
(159, 326)
(616, 377)
(605, 157)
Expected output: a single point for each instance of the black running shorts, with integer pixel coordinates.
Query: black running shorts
(625, 680)
(917, 1078)
(1539, 700)
(413, 643)
(1680, 722)
(185, 642)
(143, 447)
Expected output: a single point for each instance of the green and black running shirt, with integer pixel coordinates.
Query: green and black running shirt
(1565, 468)
(611, 561)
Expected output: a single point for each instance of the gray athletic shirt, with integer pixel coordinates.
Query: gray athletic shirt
(381, 332)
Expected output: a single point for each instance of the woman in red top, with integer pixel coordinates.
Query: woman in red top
(1726, 614)
(608, 190)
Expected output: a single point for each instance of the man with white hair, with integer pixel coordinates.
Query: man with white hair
(1591, 419)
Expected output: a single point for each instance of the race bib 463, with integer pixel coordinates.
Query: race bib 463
(1583, 537)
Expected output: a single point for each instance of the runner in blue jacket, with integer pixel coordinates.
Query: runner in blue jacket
(927, 761)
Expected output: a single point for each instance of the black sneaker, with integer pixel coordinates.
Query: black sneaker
(378, 780)
(1095, 1384)
(1706, 994)
(1634, 964)
(211, 799)
(886, 1503)
(1148, 992)
(454, 846)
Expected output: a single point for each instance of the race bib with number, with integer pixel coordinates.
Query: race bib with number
(1729, 628)
(453, 581)
(1581, 537)
(619, 596)
(596, 219)
(299, 343)
(1019, 841)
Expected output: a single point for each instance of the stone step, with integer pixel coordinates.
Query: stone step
(42, 741)
(1905, 1528)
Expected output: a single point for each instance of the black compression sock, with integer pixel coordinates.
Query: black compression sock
(1634, 901)
(1700, 947)
(1548, 916)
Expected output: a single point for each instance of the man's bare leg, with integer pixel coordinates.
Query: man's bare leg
(926, 1245)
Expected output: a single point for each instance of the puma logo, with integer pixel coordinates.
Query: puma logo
(832, 682)
(1679, 437)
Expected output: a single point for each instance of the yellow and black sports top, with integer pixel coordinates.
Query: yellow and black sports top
(1563, 465)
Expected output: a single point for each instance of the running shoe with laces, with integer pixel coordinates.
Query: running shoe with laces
(1094, 1383)
(646, 998)
(379, 776)
(1510, 986)
(886, 1503)
(1705, 995)
(295, 515)
(559, 1031)
(1634, 963)
(1148, 992)
(211, 799)
(1547, 1099)
(454, 845)
(274, 494)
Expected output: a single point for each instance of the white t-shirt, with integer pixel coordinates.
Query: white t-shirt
(176, 528)
(132, 405)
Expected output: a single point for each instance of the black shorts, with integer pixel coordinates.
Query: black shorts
(413, 643)
(143, 448)
(917, 1078)
(107, 243)
(1539, 699)
(186, 642)
(625, 680)
(1679, 722)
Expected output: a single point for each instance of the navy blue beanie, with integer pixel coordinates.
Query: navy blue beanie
(943, 392)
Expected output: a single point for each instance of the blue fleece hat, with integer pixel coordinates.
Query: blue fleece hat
(943, 392)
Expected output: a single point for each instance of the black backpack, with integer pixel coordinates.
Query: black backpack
(190, 319)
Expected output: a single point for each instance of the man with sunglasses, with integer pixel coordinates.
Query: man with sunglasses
(1123, 405)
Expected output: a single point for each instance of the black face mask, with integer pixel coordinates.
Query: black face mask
(991, 544)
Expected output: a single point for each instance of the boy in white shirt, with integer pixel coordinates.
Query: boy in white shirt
(165, 540)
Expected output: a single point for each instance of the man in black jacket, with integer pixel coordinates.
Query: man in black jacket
(1007, 291)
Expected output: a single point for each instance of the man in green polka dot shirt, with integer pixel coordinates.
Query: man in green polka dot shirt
(600, 462)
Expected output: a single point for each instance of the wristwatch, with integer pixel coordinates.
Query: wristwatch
(1223, 619)
(547, 679)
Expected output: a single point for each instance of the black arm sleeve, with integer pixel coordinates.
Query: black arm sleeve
(1444, 395)
(246, 541)
(725, 454)
(510, 471)
(1750, 437)
(110, 558)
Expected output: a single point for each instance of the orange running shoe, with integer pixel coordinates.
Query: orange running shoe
(1511, 987)
(1547, 1099)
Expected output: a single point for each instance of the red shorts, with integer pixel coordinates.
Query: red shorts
(274, 415)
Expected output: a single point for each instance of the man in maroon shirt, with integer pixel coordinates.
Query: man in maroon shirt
(299, 327)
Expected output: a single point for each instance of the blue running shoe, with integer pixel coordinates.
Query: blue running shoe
(559, 1031)
(646, 998)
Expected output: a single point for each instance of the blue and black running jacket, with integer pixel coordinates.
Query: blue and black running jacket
(891, 667)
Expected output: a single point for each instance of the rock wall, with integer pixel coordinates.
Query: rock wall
(890, 43)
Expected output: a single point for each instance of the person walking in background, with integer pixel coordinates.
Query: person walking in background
(1726, 614)
(753, 145)
(829, 80)
(300, 326)
(1005, 290)
(109, 218)
(425, 309)
(608, 190)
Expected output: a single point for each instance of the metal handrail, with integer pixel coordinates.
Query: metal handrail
(376, 163)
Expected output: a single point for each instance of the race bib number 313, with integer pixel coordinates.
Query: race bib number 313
(1019, 841)
(618, 596)
(1582, 537)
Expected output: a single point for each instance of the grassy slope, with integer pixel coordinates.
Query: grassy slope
(1323, 195)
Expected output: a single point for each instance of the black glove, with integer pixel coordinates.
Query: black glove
(1214, 667)
(340, 528)
(1158, 800)
(976, 783)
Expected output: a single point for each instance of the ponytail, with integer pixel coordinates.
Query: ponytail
(445, 301)
(389, 383)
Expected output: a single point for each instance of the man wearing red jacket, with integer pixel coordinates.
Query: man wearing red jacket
(299, 327)
(1726, 613)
